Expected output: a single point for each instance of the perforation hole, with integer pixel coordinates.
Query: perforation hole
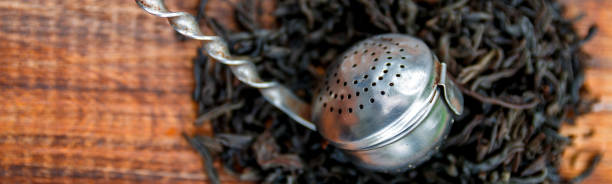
(388, 52)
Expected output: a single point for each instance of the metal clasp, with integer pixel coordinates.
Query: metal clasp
(452, 94)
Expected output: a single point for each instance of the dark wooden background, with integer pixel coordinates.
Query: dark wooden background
(99, 91)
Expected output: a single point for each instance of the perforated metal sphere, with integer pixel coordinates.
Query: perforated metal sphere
(380, 102)
(371, 90)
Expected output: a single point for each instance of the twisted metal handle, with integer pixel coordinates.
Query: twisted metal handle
(277, 94)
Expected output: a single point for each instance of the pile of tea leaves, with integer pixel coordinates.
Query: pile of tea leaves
(518, 63)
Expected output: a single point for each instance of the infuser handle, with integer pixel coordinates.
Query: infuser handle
(274, 92)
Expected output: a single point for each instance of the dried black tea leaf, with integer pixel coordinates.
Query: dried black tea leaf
(518, 62)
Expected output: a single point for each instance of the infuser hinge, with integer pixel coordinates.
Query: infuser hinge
(452, 94)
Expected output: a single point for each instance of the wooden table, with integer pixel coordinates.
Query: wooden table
(99, 91)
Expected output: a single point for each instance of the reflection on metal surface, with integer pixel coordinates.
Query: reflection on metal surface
(387, 102)
(243, 69)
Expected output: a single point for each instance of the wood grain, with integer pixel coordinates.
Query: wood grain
(94, 90)
(593, 132)
(99, 91)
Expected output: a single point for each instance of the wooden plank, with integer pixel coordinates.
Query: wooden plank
(595, 78)
(592, 132)
(597, 12)
(94, 90)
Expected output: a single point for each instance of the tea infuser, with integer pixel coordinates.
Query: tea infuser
(386, 102)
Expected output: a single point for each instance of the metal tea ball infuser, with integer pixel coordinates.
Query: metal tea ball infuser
(386, 102)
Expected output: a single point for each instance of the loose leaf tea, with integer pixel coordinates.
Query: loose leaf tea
(518, 62)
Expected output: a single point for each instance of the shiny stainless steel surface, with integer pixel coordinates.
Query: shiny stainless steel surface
(242, 68)
(377, 90)
(387, 102)
(413, 147)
